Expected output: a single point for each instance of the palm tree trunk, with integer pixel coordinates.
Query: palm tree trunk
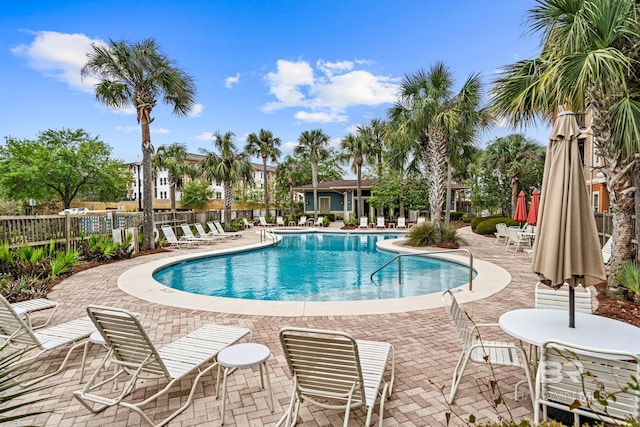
(148, 242)
(228, 199)
(266, 188)
(290, 201)
(314, 180)
(360, 201)
(172, 196)
(435, 161)
(447, 208)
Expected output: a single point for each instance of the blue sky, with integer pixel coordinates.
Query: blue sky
(286, 66)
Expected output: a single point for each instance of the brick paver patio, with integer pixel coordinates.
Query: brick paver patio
(425, 344)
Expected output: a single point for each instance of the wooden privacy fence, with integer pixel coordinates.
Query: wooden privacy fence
(69, 230)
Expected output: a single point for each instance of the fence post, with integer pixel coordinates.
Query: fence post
(67, 232)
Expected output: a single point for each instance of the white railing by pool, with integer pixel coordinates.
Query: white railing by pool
(427, 255)
(267, 234)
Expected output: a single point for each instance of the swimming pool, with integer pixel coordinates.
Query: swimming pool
(313, 267)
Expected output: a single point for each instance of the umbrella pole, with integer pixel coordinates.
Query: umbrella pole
(572, 307)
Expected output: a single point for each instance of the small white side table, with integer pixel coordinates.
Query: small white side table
(243, 355)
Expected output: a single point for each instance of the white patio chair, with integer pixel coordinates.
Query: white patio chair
(380, 222)
(302, 222)
(280, 221)
(318, 221)
(421, 220)
(26, 309)
(545, 297)
(221, 232)
(247, 224)
(202, 232)
(517, 240)
(402, 222)
(475, 349)
(134, 355)
(364, 222)
(188, 235)
(332, 370)
(15, 333)
(587, 381)
(606, 250)
(264, 223)
(173, 240)
(502, 235)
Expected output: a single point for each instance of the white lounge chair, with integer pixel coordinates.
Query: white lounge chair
(134, 355)
(264, 223)
(364, 222)
(173, 240)
(202, 232)
(502, 235)
(587, 381)
(26, 309)
(545, 297)
(247, 224)
(318, 222)
(221, 232)
(380, 222)
(15, 333)
(332, 370)
(302, 222)
(476, 349)
(188, 235)
(606, 250)
(517, 240)
(402, 222)
(280, 221)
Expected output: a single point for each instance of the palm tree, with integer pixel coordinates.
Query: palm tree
(355, 148)
(266, 146)
(289, 170)
(228, 167)
(431, 114)
(172, 159)
(136, 74)
(313, 145)
(511, 157)
(588, 61)
(374, 136)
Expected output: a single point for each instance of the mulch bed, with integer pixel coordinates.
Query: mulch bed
(619, 309)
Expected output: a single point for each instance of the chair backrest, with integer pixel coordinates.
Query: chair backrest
(501, 228)
(606, 250)
(187, 231)
(302, 220)
(583, 378)
(246, 223)
(169, 234)
(458, 319)
(213, 228)
(218, 227)
(280, 220)
(401, 222)
(13, 330)
(421, 220)
(319, 220)
(263, 221)
(513, 234)
(125, 336)
(324, 365)
(380, 221)
(200, 230)
(364, 221)
(546, 297)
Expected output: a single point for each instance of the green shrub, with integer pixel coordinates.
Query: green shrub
(456, 216)
(102, 248)
(351, 221)
(427, 235)
(326, 221)
(488, 226)
(629, 277)
(477, 220)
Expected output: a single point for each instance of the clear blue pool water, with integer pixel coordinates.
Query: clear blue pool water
(314, 267)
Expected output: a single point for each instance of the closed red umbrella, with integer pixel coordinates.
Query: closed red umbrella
(521, 208)
(532, 219)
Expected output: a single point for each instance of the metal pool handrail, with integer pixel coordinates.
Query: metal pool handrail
(427, 255)
(265, 234)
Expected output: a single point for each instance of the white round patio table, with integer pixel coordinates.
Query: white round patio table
(536, 326)
(243, 355)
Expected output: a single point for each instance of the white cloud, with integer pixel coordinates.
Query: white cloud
(196, 110)
(60, 56)
(128, 129)
(161, 131)
(327, 91)
(320, 116)
(230, 81)
(204, 136)
(290, 145)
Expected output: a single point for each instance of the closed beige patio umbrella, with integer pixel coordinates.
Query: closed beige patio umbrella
(566, 248)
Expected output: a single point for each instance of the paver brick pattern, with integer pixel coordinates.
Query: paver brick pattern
(426, 349)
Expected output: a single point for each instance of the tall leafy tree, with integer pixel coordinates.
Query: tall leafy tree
(588, 62)
(312, 144)
(430, 112)
(266, 146)
(61, 165)
(354, 149)
(172, 158)
(373, 135)
(135, 75)
(228, 166)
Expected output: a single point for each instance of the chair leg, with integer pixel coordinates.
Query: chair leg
(457, 375)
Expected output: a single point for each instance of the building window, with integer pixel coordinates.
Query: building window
(596, 202)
